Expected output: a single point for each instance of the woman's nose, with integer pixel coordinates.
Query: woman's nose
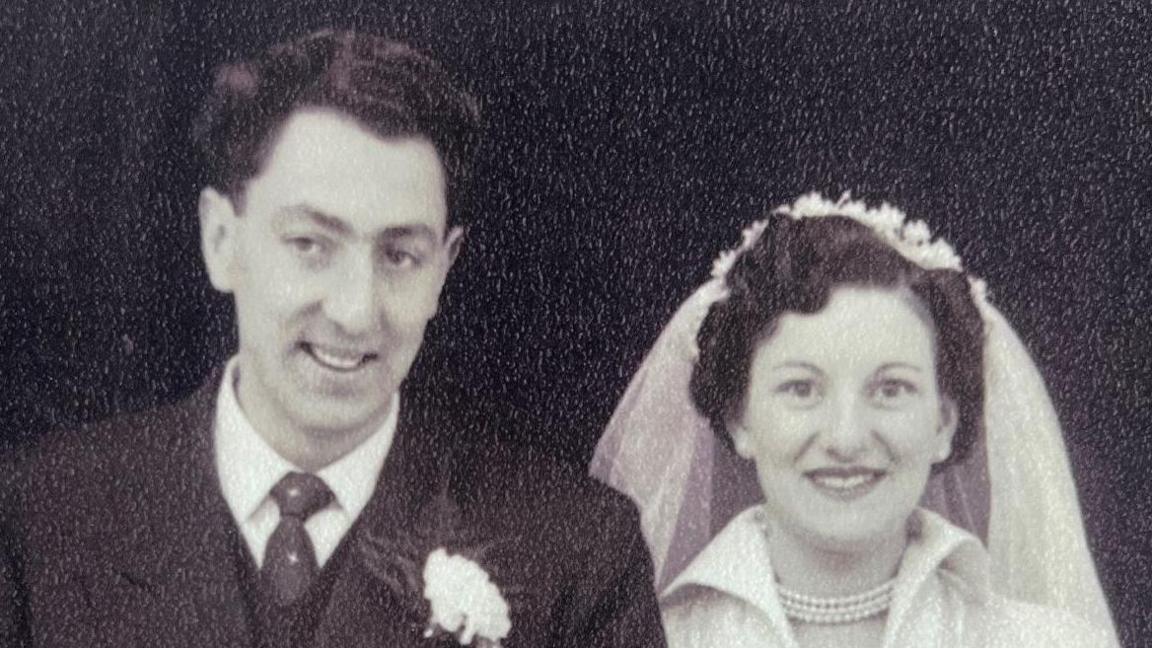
(847, 430)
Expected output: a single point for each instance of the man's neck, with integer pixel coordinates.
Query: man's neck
(312, 452)
(309, 450)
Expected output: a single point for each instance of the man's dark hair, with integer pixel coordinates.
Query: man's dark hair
(384, 85)
(794, 267)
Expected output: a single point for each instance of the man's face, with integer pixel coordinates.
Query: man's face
(336, 259)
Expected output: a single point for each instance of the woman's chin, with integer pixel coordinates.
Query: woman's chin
(851, 535)
(868, 521)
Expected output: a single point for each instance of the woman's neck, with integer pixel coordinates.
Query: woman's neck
(807, 567)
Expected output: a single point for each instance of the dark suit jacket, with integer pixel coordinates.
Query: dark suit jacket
(118, 535)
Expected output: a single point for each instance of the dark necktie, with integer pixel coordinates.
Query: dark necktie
(289, 560)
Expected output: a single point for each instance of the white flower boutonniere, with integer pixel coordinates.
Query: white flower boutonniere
(443, 572)
(465, 602)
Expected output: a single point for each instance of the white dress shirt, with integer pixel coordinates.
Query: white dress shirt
(248, 468)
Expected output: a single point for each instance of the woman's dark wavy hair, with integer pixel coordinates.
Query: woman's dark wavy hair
(384, 85)
(794, 267)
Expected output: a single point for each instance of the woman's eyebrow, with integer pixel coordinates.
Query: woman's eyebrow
(899, 365)
(798, 364)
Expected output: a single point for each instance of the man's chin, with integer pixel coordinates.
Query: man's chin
(338, 419)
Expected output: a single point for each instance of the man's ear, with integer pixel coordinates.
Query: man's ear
(949, 421)
(217, 237)
(454, 240)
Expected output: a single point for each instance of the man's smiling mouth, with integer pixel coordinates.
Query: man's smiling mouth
(336, 359)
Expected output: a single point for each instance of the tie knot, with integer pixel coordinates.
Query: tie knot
(299, 495)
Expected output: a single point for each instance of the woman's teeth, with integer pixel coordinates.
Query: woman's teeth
(843, 483)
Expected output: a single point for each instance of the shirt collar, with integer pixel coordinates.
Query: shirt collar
(248, 467)
(749, 577)
(934, 544)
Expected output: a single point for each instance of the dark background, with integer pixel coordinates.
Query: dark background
(628, 143)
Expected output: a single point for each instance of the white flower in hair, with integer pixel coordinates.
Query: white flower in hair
(723, 264)
(913, 240)
(917, 233)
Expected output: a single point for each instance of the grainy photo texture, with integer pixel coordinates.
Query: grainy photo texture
(318, 315)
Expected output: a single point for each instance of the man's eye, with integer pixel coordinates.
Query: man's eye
(401, 258)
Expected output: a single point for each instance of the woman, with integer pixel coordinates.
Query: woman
(838, 370)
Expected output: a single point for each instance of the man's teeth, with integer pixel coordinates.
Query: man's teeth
(343, 361)
(843, 483)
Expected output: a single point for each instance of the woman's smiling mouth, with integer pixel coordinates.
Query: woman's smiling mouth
(845, 483)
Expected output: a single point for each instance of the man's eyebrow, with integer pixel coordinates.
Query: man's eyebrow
(318, 216)
(338, 225)
(417, 230)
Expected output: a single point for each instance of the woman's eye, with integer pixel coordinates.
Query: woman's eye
(798, 389)
(893, 390)
(305, 245)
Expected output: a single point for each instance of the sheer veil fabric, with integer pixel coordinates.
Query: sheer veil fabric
(1015, 491)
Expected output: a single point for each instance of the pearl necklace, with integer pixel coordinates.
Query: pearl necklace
(837, 609)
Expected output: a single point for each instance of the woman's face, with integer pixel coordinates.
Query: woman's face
(843, 418)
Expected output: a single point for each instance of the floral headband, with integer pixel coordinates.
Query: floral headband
(911, 239)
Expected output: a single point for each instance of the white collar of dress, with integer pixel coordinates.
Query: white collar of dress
(936, 545)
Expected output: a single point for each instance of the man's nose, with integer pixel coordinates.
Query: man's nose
(353, 296)
(846, 429)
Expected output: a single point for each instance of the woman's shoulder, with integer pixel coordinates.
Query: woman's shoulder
(961, 573)
(1017, 624)
(702, 617)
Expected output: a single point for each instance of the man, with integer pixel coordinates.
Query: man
(302, 497)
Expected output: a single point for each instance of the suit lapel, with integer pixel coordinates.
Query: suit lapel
(179, 558)
(363, 610)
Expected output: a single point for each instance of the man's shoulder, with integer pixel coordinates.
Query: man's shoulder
(505, 461)
(568, 546)
(105, 455)
(537, 478)
(494, 466)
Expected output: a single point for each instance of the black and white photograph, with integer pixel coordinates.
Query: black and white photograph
(599, 323)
